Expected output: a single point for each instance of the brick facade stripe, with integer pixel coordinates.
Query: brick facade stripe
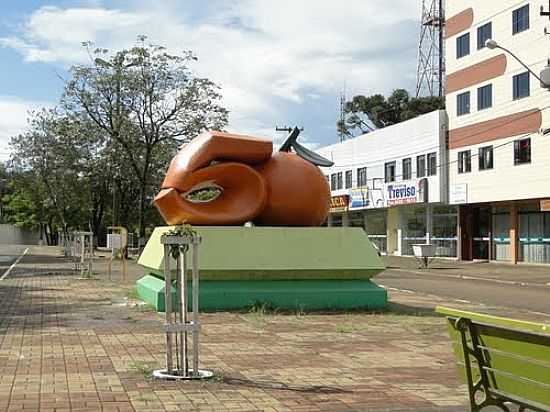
(459, 22)
(477, 73)
(506, 126)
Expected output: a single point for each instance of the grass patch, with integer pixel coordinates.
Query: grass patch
(132, 294)
(143, 368)
(346, 328)
(146, 307)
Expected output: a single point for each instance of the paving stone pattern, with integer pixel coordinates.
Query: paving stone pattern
(76, 345)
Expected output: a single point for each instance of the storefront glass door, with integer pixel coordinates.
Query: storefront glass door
(501, 235)
(482, 233)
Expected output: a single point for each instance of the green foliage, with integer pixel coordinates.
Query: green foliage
(362, 112)
(147, 102)
(98, 158)
(143, 368)
(181, 231)
(204, 195)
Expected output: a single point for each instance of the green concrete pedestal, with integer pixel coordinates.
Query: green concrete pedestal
(292, 268)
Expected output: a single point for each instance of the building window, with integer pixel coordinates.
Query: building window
(522, 151)
(421, 166)
(465, 161)
(389, 172)
(432, 164)
(463, 45)
(521, 85)
(407, 169)
(485, 97)
(362, 177)
(333, 181)
(349, 178)
(463, 104)
(520, 19)
(339, 182)
(486, 158)
(484, 33)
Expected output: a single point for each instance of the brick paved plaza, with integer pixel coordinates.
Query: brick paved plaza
(69, 344)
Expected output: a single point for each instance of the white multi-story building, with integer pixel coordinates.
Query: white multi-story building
(393, 182)
(498, 113)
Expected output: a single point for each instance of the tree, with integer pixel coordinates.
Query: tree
(54, 183)
(147, 102)
(366, 113)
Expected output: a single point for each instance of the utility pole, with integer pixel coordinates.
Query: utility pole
(430, 74)
(287, 129)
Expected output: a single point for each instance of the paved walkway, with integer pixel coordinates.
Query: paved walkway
(69, 344)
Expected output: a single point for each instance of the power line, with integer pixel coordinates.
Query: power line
(383, 161)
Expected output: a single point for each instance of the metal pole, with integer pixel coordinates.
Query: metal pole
(91, 254)
(168, 306)
(184, 304)
(441, 47)
(82, 252)
(195, 307)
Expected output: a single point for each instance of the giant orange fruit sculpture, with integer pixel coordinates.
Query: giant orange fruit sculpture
(252, 183)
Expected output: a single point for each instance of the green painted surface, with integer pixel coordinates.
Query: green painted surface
(284, 294)
(275, 253)
(519, 358)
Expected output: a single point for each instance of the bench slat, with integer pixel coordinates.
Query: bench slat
(517, 362)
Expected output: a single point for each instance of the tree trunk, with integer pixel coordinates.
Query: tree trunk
(143, 192)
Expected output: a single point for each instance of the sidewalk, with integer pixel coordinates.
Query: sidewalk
(520, 274)
(69, 344)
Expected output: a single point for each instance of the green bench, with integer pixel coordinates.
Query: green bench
(502, 360)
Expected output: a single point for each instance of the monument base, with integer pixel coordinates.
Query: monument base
(309, 268)
(284, 294)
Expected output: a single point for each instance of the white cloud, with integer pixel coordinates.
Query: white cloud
(13, 119)
(271, 58)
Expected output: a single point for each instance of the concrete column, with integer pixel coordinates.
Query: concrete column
(394, 233)
(329, 220)
(345, 219)
(429, 223)
(514, 233)
(365, 223)
(458, 234)
(399, 250)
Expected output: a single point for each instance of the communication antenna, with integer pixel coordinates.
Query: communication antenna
(430, 74)
(341, 132)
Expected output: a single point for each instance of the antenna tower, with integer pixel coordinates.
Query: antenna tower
(430, 74)
(341, 132)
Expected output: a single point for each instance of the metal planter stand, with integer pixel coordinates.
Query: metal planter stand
(82, 252)
(178, 322)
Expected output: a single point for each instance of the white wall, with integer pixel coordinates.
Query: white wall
(422, 135)
(505, 181)
(10, 234)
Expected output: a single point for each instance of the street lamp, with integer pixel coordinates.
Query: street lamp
(544, 77)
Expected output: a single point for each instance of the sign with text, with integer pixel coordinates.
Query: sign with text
(359, 198)
(339, 203)
(401, 194)
(458, 194)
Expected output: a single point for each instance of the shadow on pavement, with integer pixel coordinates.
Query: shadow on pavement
(283, 386)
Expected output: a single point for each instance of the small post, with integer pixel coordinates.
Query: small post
(177, 318)
(195, 306)
(168, 306)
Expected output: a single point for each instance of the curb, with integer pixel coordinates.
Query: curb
(466, 277)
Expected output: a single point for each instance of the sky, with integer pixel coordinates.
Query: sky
(278, 62)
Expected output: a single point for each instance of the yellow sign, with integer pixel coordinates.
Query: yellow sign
(339, 203)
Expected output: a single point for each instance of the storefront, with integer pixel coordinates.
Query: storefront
(507, 232)
(386, 183)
